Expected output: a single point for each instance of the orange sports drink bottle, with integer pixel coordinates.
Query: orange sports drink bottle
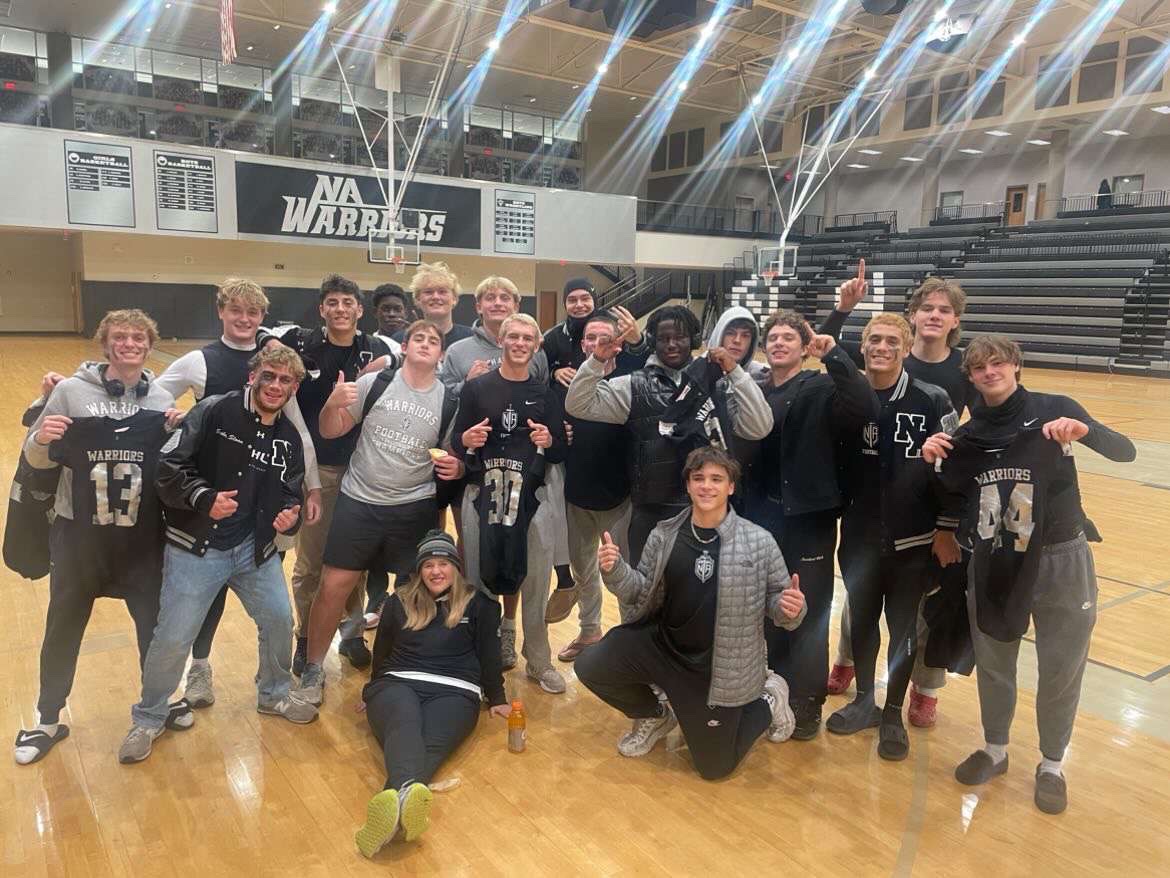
(517, 728)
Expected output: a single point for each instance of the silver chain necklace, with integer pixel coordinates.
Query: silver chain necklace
(695, 534)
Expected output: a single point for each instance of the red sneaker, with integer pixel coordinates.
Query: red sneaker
(840, 678)
(923, 709)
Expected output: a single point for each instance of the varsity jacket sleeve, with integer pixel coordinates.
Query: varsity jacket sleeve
(778, 580)
(751, 416)
(292, 411)
(179, 482)
(630, 585)
(392, 620)
(189, 372)
(854, 402)
(1106, 442)
(833, 325)
(592, 399)
(292, 488)
(487, 648)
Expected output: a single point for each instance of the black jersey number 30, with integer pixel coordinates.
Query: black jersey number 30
(117, 489)
(505, 487)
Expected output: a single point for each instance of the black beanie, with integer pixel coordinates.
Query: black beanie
(576, 283)
(437, 544)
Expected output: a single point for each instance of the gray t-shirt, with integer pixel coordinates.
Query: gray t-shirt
(392, 462)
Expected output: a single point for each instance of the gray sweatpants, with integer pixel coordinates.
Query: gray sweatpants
(1064, 611)
(554, 483)
(923, 677)
(585, 529)
(534, 589)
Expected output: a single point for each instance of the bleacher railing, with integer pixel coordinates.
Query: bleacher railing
(851, 220)
(988, 210)
(698, 219)
(1121, 202)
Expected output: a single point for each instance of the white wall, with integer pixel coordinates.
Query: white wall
(37, 281)
(690, 251)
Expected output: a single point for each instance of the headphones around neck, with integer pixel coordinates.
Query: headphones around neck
(115, 387)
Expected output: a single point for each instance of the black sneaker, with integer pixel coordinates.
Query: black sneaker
(300, 656)
(354, 649)
(808, 719)
(1051, 795)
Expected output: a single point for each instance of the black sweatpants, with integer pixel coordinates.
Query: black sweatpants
(76, 580)
(896, 582)
(807, 542)
(418, 724)
(619, 670)
(643, 519)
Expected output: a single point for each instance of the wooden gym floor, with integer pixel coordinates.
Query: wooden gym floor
(242, 794)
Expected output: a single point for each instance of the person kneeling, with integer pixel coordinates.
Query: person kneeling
(695, 627)
(436, 655)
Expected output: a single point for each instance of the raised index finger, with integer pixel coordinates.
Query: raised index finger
(861, 270)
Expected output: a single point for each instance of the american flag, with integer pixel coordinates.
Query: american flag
(227, 30)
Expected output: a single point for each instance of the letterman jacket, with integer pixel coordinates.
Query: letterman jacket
(209, 458)
(891, 499)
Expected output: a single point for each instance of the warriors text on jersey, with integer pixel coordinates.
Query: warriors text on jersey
(117, 519)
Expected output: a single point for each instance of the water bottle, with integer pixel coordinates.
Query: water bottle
(517, 728)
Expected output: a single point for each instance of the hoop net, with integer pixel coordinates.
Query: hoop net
(773, 262)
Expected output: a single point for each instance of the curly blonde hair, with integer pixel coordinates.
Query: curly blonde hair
(134, 317)
(247, 292)
(279, 355)
(430, 274)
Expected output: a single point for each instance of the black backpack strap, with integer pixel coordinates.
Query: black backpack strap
(381, 382)
(450, 406)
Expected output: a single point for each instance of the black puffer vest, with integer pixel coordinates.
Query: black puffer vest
(654, 461)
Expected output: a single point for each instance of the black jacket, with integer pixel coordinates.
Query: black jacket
(654, 462)
(211, 455)
(893, 501)
(803, 451)
(469, 652)
(562, 348)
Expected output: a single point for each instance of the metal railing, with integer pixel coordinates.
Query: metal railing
(984, 210)
(1073, 251)
(861, 220)
(1118, 202)
(698, 219)
(654, 289)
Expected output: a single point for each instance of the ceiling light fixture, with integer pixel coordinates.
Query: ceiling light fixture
(868, 74)
(494, 45)
(1164, 109)
(274, 27)
(1038, 142)
(870, 151)
(250, 48)
(857, 166)
(793, 53)
(971, 151)
(574, 87)
(995, 132)
(633, 97)
(682, 86)
(329, 8)
(757, 99)
(1116, 132)
(1019, 40)
(911, 158)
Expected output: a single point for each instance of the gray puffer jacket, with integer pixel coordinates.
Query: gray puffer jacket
(752, 574)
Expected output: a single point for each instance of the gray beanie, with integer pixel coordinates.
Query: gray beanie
(437, 544)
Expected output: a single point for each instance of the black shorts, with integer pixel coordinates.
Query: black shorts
(365, 536)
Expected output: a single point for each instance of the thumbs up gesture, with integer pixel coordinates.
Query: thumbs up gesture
(607, 553)
(792, 598)
(345, 393)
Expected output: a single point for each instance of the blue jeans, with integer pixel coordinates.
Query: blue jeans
(189, 585)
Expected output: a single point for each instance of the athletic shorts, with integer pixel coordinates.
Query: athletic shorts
(364, 536)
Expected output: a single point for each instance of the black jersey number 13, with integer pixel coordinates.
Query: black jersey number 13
(117, 489)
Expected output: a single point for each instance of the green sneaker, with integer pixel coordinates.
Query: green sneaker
(414, 804)
(381, 823)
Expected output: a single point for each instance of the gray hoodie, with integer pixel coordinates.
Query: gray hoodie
(736, 312)
(593, 399)
(84, 396)
(482, 345)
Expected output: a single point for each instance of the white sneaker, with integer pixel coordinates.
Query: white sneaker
(291, 707)
(641, 739)
(312, 688)
(199, 691)
(550, 680)
(783, 720)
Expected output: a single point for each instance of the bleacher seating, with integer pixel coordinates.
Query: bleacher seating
(1086, 292)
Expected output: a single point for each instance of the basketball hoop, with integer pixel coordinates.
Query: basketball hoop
(769, 276)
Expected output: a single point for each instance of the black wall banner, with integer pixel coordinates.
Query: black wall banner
(325, 206)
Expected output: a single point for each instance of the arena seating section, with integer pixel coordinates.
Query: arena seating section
(1083, 292)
